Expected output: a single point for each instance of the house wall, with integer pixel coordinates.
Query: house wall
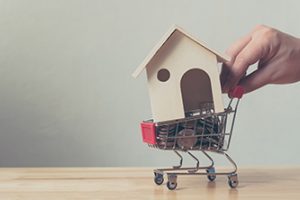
(178, 55)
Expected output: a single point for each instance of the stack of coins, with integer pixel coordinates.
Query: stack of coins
(208, 130)
(186, 139)
(165, 136)
(204, 133)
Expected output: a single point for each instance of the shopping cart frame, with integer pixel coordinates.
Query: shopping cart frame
(152, 136)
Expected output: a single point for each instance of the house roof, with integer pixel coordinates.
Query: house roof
(138, 71)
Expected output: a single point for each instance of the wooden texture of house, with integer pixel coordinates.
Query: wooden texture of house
(182, 75)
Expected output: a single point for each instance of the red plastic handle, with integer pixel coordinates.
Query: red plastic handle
(236, 92)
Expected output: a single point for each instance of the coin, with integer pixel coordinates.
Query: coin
(186, 139)
(165, 136)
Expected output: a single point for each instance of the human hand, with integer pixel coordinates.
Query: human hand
(277, 55)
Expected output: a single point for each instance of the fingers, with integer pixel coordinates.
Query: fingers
(255, 80)
(232, 52)
(250, 54)
(237, 47)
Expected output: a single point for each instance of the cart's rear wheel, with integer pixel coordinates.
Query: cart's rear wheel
(233, 180)
(211, 176)
(171, 185)
(172, 181)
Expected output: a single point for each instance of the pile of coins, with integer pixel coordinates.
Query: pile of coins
(166, 136)
(195, 134)
(187, 139)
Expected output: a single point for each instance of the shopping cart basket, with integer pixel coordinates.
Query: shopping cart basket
(203, 130)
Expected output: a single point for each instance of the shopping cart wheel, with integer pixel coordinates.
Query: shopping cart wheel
(211, 174)
(233, 180)
(158, 178)
(172, 182)
(171, 185)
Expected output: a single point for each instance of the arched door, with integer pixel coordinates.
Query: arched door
(196, 90)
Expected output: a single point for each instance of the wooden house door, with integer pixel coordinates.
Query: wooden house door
(196, 90)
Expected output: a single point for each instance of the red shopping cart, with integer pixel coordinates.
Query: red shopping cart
(203, 130)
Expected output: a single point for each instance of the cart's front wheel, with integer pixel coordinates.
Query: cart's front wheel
(171, 185)
(211, 174)
(233, 180)
(158, 178)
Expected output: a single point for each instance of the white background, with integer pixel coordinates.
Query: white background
(67, 97)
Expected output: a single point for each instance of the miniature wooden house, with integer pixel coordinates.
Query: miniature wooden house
(182, 76)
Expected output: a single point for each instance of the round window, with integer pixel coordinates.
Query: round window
(163, 75)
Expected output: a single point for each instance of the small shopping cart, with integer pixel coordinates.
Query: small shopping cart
(202, 130)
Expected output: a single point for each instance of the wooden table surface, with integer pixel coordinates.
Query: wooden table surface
(137, 183)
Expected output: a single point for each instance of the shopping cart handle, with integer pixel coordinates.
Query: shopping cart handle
(236, 92)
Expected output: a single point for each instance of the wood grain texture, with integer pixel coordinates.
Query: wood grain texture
(178, 52)
(137, 183)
